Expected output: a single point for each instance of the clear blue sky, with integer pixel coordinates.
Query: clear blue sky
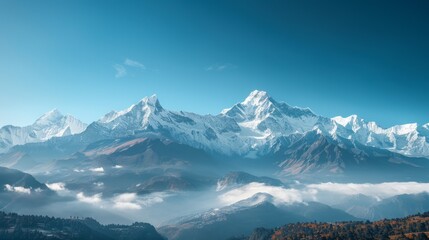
(336, 57)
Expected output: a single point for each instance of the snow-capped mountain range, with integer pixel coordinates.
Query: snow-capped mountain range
(250, 128)
(407, 139)
(51, 124)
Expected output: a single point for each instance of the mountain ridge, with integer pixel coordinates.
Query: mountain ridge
(250, 129)
(252, 126)
(49, 125)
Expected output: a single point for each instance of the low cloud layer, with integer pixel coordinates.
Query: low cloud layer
(96, 198)
(280, 194)
(132, 201)
(98, 170)
(315, 192)
(126, 201)
(59, 186)
(23, 190)
(380, 190)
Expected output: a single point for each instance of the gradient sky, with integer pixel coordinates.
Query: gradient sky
(86, 58)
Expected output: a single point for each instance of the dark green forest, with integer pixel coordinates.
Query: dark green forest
(17, 227)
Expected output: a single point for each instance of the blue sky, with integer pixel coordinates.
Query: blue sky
(336, 57)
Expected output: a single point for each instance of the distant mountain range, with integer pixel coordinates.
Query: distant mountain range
(294, 138)
(366, 207)
(245, 129)
(252, 127)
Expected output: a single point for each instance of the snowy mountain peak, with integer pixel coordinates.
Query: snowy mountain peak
(344, 121)
(49, 125)
(146, 106)
(405, 128)
(151, 102)
(408, 139)
(254, 104)
(55, 124)
(260, 105)
(256, 97)
(267, 118)
(50, 117)
(352, 122)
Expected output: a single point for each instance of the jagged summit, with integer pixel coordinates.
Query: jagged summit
(258, 103)
(408, 139)
(267, 117)
(256, 97)
(145, 106)
(55, 124)
(50, 116)
(355, 123)
(344, 121)
(49, 125)
(151, 102)
(352, 122)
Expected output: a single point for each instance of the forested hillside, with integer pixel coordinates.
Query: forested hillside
(412, 227)
(17, 227)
